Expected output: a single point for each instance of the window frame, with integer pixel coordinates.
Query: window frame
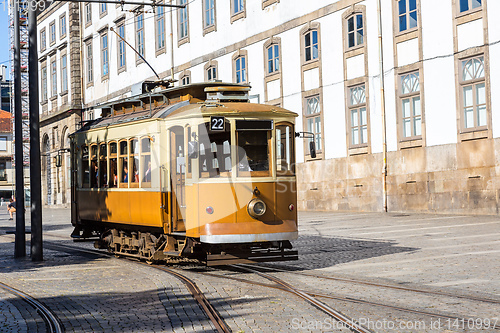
(212, 64)
(43, 39)
(64, 74)
(266, 3)
(407, 15)
(140, 40)
(275, 75)
(207, 28)
(291, 149)
(62, 24)
(181, 39)
(160, 32)
(142, 163)
(104, 54)
(358, 107)
(319, 150)
(120, 155)
(240, 54)
(468, 11)
(44, 85)
(112, 178)
(103, 9)
(121, 47)
(310, 28)
(354, 15)
(53, 78)
(52, 33)
(89, 62)
(88, 14)
(239, 14)
(473, 83)
(133, 156)
(411, 95)
(185, 74)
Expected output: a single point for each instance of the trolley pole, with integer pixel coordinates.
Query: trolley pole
(35, 165)
(20, 238)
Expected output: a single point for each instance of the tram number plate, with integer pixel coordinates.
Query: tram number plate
(217, 123)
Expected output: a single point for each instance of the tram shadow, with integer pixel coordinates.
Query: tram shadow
(317, 252)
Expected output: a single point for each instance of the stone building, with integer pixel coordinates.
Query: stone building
(321, 60)
(60, 94)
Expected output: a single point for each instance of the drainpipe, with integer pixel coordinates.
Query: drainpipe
(172, 42)
(382, 106)
(82, 69)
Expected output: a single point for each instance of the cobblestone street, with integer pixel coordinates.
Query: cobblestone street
(93, 293)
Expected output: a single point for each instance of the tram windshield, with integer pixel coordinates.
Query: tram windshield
(253, 153)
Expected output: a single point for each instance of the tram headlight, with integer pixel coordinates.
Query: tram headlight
(256, 208)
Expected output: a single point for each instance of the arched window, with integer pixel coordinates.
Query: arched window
(355, 30)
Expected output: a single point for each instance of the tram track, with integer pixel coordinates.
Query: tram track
(210, 311)
(48, 317)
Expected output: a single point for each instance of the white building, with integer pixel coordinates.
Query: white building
(321, 60)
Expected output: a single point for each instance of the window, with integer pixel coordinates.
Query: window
(88, 14)
(285, 158)
(311, 45)
(64, 73)
(183, 20)
(103, 9)
(185, 80)
(355, 32)
(43, 40)
(215, 151)
(53, 78)
(146, 162)
(44, 84)
(209, 13)
(240, 69)
(3, 143)
(211, 73)
(104, 55)
(103, 165)
(358, 116)
(85, 166)
(466, 5)
(313, 119)
(253, 152)
(90, 65)
(473, 89)
(407, 14)
(113, 166)
(62, 25)
(273, 59)
(160, 28)
(3, 171)
(134, 162)
(410, 105)
(123, 174)
(52, 32)
(94, 167)
(121, 47)
(139, 34)
(238, 6)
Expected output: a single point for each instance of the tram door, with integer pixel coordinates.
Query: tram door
(178, 178)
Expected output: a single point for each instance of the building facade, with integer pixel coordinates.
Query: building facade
(59, 47)
(440, 123)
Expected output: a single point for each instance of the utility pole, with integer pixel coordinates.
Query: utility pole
(20, 238)
(35, 165)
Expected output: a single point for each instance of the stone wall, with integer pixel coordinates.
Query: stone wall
(456, 178)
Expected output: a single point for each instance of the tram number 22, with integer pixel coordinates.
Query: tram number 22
(216, 123)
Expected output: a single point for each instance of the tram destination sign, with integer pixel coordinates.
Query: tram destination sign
(217, 124)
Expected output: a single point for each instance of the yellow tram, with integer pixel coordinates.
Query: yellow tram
(188, 172)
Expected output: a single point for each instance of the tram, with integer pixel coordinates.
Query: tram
(192, 172)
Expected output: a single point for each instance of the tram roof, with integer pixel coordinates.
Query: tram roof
(190, 104)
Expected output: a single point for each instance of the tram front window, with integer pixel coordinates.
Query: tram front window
(215, 151)
(253, 153)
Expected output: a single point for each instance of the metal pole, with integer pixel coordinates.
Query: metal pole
(20, 239)
(35, 167)
(382, 106)
(171, 44)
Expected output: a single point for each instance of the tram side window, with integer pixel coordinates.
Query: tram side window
(146, 162)
(134, 162)
(93, 166)
(85, 166)
(285, 157)
(103, 165)
(253, 153)
(123, 164)
(113, 165)
(215, 151)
